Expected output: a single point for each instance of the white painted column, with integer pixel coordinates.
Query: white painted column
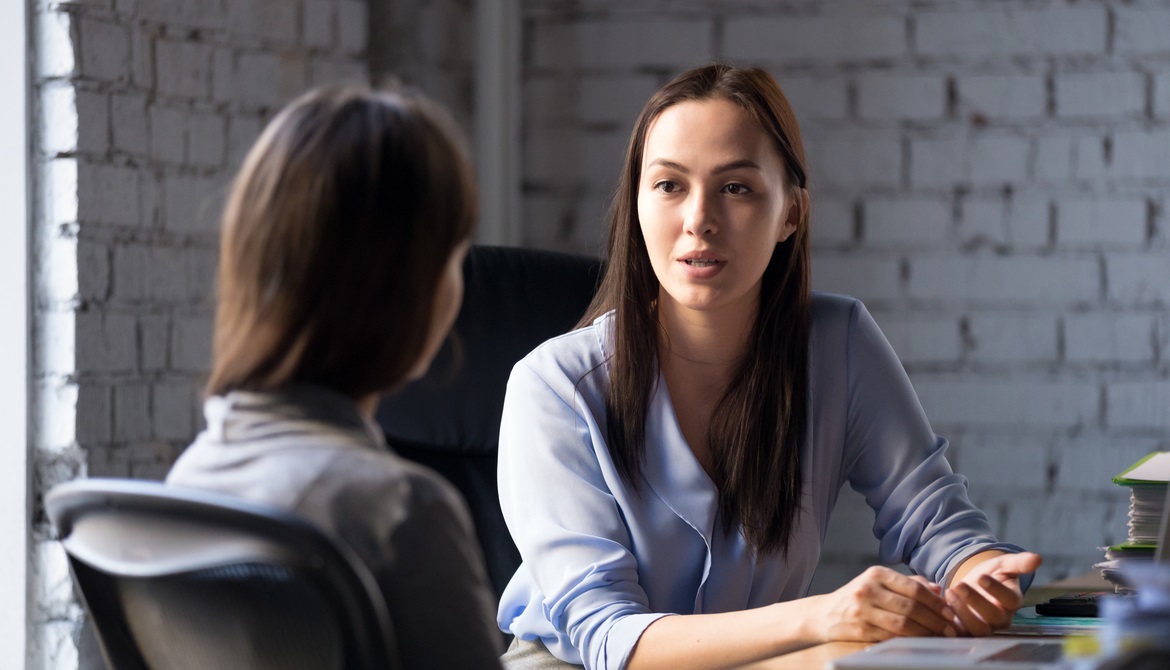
(14, 341)
(497, 120)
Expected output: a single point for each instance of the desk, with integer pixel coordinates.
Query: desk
(815, 658)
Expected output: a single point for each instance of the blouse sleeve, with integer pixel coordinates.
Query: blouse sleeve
(923, 515)
(555, 493)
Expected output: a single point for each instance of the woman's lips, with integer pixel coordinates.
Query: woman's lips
(700, 267)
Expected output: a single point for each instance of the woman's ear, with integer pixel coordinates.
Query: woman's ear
(795, 214)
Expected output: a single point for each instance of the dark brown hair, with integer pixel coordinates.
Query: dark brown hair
(758, 427)
(335, 233)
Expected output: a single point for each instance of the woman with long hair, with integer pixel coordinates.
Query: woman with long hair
(668, 469)
(340, 274)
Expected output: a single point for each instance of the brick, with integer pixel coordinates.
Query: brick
(1019, 405)
(1101, 222)
(1004, 96)
(1054, 159)
(1138, 405)
(105, 342)
(1087, 465)
(589, 214)
(1142, 31)
(142, 58)
(906, 222)
(1021, 221)
(1141, 155)
(1162, 95)
(444, 33)
(854, 159)
(191, 343)
(317, 24)
(1138, 278)
(93, 270)
(1003, 462)
(614, 99)
(183, 68)
(154, 339)
(108, 194)
(55, 47)
(130, 272)
(94, 413)
(674, 43)
(130, 130)
(1109, 337)
(990, 160)
(1089, 159)
(1070, 526)
(817, 98)
(173, 415)
(921, 339)
(267, 20)
(557, 99)
(148, 182)
(1012, 338)
(542, 165)
(547, 221)
(191, 204)
(352, 26)
(334, 71)
(223, 75)
(93, 114)
(242, 132)
(602, 155)
(870, 279)
(1100, 95)
(131, 412)
(59, 122)
(914, 97)
(201, 266)
(166, 274)
(1016, 280)
(104, 54)
(998, 33)
(844, 37)
(257, 79)
(832, 221)
(207, 136)
(168, 134)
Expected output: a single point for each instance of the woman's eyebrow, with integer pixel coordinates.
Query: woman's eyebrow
(725, 167)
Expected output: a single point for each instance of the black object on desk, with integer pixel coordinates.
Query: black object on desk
(1072, 605)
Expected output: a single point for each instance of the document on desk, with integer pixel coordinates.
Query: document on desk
(1027, 623)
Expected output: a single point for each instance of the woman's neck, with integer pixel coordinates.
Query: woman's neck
(714, 341)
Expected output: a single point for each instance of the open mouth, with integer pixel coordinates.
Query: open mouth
(701, 262)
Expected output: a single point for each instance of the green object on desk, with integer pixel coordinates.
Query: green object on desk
(1027, 622)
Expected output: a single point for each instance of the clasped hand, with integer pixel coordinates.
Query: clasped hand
(880, 603)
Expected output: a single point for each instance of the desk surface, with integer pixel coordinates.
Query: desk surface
(815, 658)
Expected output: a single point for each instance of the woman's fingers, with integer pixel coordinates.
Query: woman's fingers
(960, 599)
(909, 605)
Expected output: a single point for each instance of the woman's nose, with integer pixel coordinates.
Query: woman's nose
(701, 218)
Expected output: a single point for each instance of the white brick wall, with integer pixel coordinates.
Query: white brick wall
(145, 110)
(989, 177)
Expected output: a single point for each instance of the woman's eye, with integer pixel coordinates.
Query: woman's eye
(666, 186)
(736, 189)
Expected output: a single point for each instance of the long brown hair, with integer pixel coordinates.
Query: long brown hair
(758, 427)
(335, 233)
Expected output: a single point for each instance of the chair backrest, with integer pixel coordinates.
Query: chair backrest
(176, 578)
(450, 420)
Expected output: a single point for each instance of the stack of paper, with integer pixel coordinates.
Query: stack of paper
(1147, 481)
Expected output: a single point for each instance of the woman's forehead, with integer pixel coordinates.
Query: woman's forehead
(712, 131)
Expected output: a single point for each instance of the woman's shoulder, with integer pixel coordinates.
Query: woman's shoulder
(576, 352)
(834, 312)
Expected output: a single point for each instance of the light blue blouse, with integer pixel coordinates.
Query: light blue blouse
(601, 561)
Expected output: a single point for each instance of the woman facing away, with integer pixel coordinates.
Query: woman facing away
(340, 275)
(668, 469)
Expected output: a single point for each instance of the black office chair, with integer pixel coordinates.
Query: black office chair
(450, 420)
(175, 578)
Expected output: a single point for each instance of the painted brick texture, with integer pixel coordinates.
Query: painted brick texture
(145, 111)
(989, 177)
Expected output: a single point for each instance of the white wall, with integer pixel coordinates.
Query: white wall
(145, 109)
(990, 178)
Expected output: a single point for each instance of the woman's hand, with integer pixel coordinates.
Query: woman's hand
(880, 604)
(986, 591)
